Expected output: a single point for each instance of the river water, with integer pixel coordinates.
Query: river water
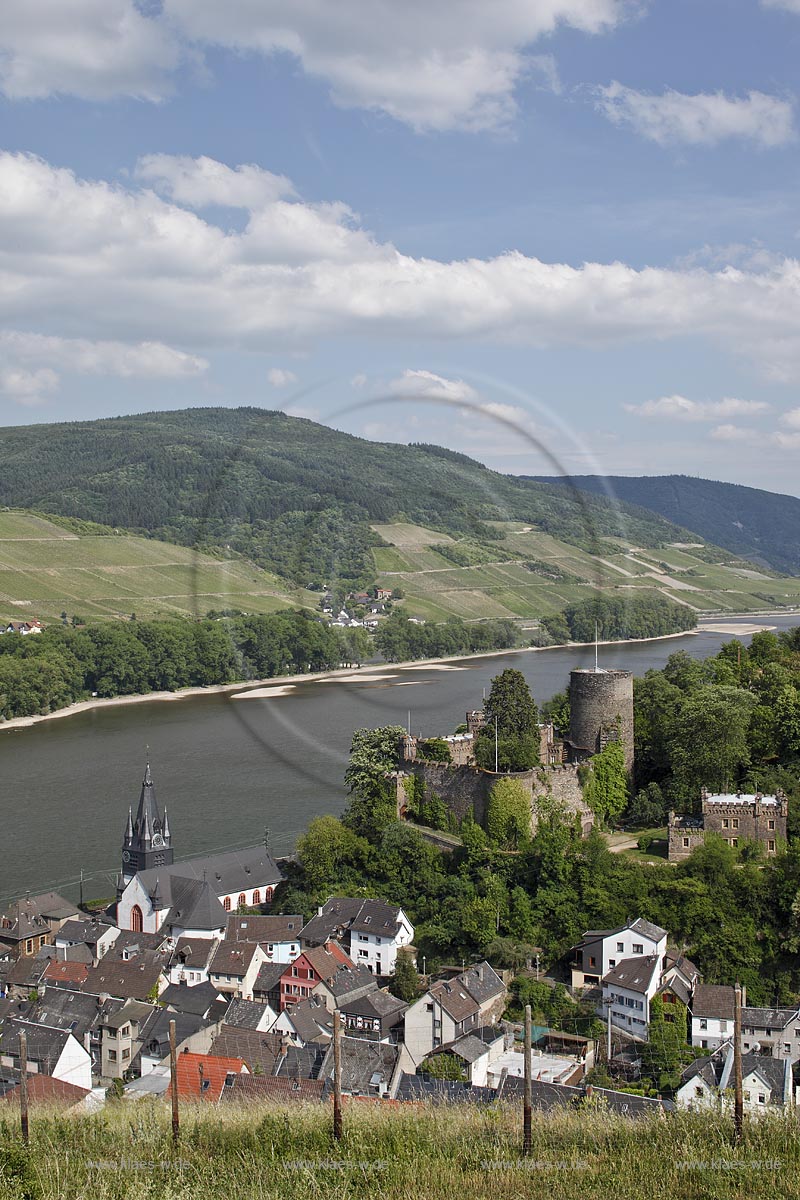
(228, 769)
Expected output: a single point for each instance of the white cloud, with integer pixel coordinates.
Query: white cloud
(791, 418)
(786, 441)
(359, 380)
(27, 387)
(146, 360)
(731, 433)
(681, 409)
(94, 49)
(280, 378)
(701, 120)
(448, 64)
(505, 412)
(198, 182)
(433, 387)
(789, 5)
(87, 260)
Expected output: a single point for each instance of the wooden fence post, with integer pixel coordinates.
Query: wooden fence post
(23, 1085)
(173, 1072)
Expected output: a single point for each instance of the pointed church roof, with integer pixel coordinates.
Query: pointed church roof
(148, 818)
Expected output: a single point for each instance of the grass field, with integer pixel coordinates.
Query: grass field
(46, 569)
(436, 588)
(389, 1152)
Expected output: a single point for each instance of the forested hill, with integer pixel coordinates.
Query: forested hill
(762, 526)
(294, 496)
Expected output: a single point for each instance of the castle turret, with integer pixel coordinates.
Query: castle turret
(601, 710)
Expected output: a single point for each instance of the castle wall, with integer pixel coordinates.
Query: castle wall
(466, 790)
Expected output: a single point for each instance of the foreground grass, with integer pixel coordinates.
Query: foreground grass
(395, 1153)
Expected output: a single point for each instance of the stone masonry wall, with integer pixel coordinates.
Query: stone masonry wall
(466, 789)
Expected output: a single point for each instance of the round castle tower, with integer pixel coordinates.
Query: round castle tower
(600, 701)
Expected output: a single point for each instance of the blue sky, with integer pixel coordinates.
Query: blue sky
(576, 218)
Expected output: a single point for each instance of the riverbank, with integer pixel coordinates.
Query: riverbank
(279, 685)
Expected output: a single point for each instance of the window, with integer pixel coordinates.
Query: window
(125, 1031)
(746, 1096)
(240, 903)
(735, 824)
(762, 1099)
(612, 962)
(638, 948)
(137, 920)
(770, 846)
(770, 824)
(295, 972)
(428, 1008)
(268, 894)
(620, 947)
(29, 946)
(703, 1023)
(686, 842)
(734, 841)
(592, 961)
(112, 1056)
(787, 1047)
(257, 896)
(723, 1026)
(725, 823)
(126, 1052)
(698, 1091)
(704, 1044)
(226, 904)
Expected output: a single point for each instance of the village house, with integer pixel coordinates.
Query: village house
(234, 968)
(24, 628)
(49, 1052)
(371, 931)
(98, 936)
(477, 1052)
(376, 1015)
(708, 1082)
(193, 1033)
(370, 1070)
(122, 1034)
(205, 1076)
(77, 1012)
(601, 950)
(312, 966)
(190, 960)
(451, 1008)
(308, 1023)
(250, 1014)
(712, 1013)
(346, 984)
(278, 936)
(27, 925)
(628, 989)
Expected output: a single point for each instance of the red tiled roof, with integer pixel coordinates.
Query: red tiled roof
(66, 972)
(215, 1070)
(45, 1089)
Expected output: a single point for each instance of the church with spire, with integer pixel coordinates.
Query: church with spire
(190, 897)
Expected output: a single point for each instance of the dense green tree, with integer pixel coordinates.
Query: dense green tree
(373, 755)
(405, 983)
(708, 742)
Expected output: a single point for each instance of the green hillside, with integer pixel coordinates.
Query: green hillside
(528, 574)
(759, 525)
(48, 568)
(296, 497)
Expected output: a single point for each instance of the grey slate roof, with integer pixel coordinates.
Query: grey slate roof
(193, 903)
(647, 929)
(482, 982)
(311, 1020)
(469, 1047)
(45, 1045)
(351, 982)
(233, 958)
(258, 1050)
(228, 872)
(454, 999)
(268, 978)
(245, 1014)
(132, 980)
(343, 913)
(267, 929)
(156, 1033)
(548, 1096)
(376, 1004)
(442, 1091)
(366, 1066)
(300, 1062)
(72, 1010)
(88, 931)
(192, 952)
(262, 1089)
(713, 1000)
(768, 1018)
(198, 999)
(634, 974)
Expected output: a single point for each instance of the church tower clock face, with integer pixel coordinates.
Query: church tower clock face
(158, 840)
(126, 856)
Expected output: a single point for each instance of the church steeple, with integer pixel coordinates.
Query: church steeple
(147, 842)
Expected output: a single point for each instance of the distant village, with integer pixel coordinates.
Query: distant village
(254, 995)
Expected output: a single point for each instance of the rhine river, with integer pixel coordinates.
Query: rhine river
(230, 768)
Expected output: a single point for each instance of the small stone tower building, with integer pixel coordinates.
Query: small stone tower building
(147, 841)
(601, 710)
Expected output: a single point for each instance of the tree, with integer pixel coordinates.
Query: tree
(508, 813)
(321, 849)
(606, 789)
(511, 703)
(708, 743)
(444, 1066)
(373, 755)
(647, 807)
(405, 983)
(663, 1052)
